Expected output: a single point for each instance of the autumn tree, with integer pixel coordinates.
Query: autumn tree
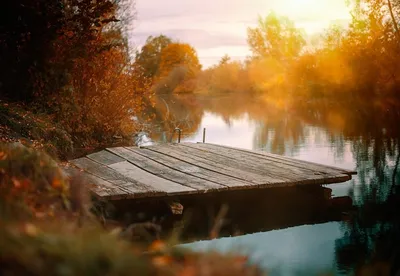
(71, 58)
(224, 60)
(179, 54)
(276, 37)
(371, 46)
(40, 38)
(27, 29)
(148, 59)
(179, 67)
(228, 76)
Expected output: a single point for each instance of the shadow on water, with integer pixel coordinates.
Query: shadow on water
(363, 135)
(239, 212)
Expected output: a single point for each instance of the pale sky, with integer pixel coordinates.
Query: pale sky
(218, 27)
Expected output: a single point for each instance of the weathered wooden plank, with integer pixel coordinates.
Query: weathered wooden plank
(95, 188)
(165, 172)
(265, 168)
(156, 183)
(136, 188)
(253, 162)
(336, 178)
(97, 169)
(181, 169)
(257, 166)
(303, 163)
(286, 164)
(184, 167)
(99, 187)
(105, 157)
(222, 166)
(105, 189)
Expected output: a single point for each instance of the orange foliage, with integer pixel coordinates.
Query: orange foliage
(103, 93)
(30, 181)
(179, 54)
(179, 65)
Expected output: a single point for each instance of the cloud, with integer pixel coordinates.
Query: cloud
(196, 37)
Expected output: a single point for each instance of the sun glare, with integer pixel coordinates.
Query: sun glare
(313, 15)
(301, 6)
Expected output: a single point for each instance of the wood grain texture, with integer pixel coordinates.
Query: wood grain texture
(188, 168)
(164, 171)
(106, 158)
(218, 177)
(155, 183)
(276, 157)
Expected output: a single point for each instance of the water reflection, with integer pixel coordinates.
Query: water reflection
(303, 250)
(362, 136)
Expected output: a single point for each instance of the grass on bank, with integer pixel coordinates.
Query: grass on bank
(20, 124)
(44, 230)
(30, 126)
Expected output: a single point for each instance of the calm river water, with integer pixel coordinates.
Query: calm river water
(362, 137)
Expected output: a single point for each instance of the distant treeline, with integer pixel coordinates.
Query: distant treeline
(71, 60)
(359, 60)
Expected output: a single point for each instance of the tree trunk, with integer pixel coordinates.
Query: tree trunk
(392, 188)
(396, 27)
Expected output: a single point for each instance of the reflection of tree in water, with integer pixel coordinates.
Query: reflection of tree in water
(369, 130)
(274, 127)
(171, 111)
(372, 133)
(371, 236)
(278, 134)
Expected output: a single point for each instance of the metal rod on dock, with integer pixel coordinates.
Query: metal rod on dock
(179, 134)
(204, 135)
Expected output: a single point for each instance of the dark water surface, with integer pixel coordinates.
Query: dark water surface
(299, 231)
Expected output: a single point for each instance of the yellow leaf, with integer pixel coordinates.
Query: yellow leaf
(161, 260)
(3, 155)
(56, 183)
(157, 245)
(116, 231)
(31, 230)
(16, 182)
(40, 215)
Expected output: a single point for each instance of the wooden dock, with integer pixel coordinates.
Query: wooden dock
(188, 168)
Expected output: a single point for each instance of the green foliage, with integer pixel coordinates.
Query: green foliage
(227, 77)
(276, 37)
(360, 59)
(224, 60)
(353, 62)
(148, 59)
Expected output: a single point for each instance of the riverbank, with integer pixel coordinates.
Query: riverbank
(30, 126)
(50, 225)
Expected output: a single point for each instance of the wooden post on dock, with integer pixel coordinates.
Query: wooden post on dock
(204, 135)
(179, 134)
